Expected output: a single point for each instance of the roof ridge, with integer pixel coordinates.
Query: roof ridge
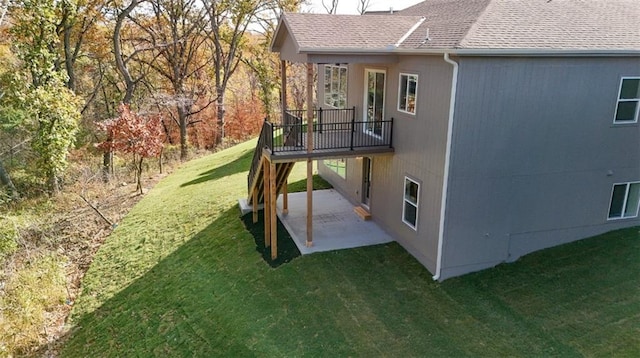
(411, 31)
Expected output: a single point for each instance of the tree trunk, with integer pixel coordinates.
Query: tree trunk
(121, 65)
(106, 166)
(68, 58)
(107, 160)
(220, 96)
(220, 119)
(139, 170)
(5, 179)
(54, 184)
(182, 119)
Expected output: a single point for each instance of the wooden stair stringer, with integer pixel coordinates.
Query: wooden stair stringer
(257, 183)
(282, 174)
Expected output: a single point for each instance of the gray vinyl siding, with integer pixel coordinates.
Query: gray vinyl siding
(534, 156)
(420, 143)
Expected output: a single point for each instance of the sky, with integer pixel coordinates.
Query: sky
(351, 6)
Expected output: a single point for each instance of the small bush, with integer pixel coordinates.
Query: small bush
(8, 237)
(30, 293)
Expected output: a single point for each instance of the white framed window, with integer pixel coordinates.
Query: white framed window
(625, 199)
(338, 166)
(628, 104)
(407, 93)
(411, 203)
(335, 86)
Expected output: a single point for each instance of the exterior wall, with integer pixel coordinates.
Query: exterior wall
(420, 143)
(534, 156)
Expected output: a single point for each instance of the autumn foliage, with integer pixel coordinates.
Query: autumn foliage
(244, 120)
(130, 132)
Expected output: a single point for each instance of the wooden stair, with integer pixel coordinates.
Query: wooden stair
(282, 173)
(256, 172)
(363, 213)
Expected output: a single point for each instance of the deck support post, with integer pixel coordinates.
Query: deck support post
(283, 91)
(272, 207)
(285, 197)
(254, 207)
(309, 150)
(267, 207)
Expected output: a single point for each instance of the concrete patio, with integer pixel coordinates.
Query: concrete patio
(335, 225)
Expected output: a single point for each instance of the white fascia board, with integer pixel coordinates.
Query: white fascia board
(474, 52)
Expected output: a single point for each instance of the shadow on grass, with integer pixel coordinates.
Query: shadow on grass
(214, 296)
(239, 165)
(287, 249)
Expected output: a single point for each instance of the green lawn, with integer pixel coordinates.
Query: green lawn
(181, 276)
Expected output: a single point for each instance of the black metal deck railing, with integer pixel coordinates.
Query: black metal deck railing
(333, 130)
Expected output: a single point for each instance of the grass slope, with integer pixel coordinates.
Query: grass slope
(182, 277)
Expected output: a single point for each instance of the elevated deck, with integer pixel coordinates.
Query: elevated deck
(336, 134)
(332, 134)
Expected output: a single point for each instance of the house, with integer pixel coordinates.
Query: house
(473, 131)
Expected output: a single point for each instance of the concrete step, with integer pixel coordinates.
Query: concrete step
(363, 213)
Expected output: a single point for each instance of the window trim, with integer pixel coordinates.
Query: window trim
(618, 100)
(385, 93)
(331, 90)
(404, 200)
(625, 202)
(415, 107)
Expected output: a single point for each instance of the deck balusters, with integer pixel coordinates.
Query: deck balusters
(334, 129)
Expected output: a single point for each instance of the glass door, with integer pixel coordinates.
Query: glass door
(366, 181)
(374, 101)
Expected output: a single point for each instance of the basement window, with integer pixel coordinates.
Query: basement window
(628, 100)
(335, 86)
(625, 199)
(338, 166)
(407, 91)
(410, 203)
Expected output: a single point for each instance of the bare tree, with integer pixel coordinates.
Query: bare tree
(176, 34)
(331, 6)
(363, 5)
(263, 63)
(228, 23)
(77, 19)
(122, 60)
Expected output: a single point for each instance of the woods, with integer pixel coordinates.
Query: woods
(97, 94)
(66, 66)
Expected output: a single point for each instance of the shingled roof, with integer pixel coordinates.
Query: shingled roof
(372, 32)
(557, 24)
(475, 25)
